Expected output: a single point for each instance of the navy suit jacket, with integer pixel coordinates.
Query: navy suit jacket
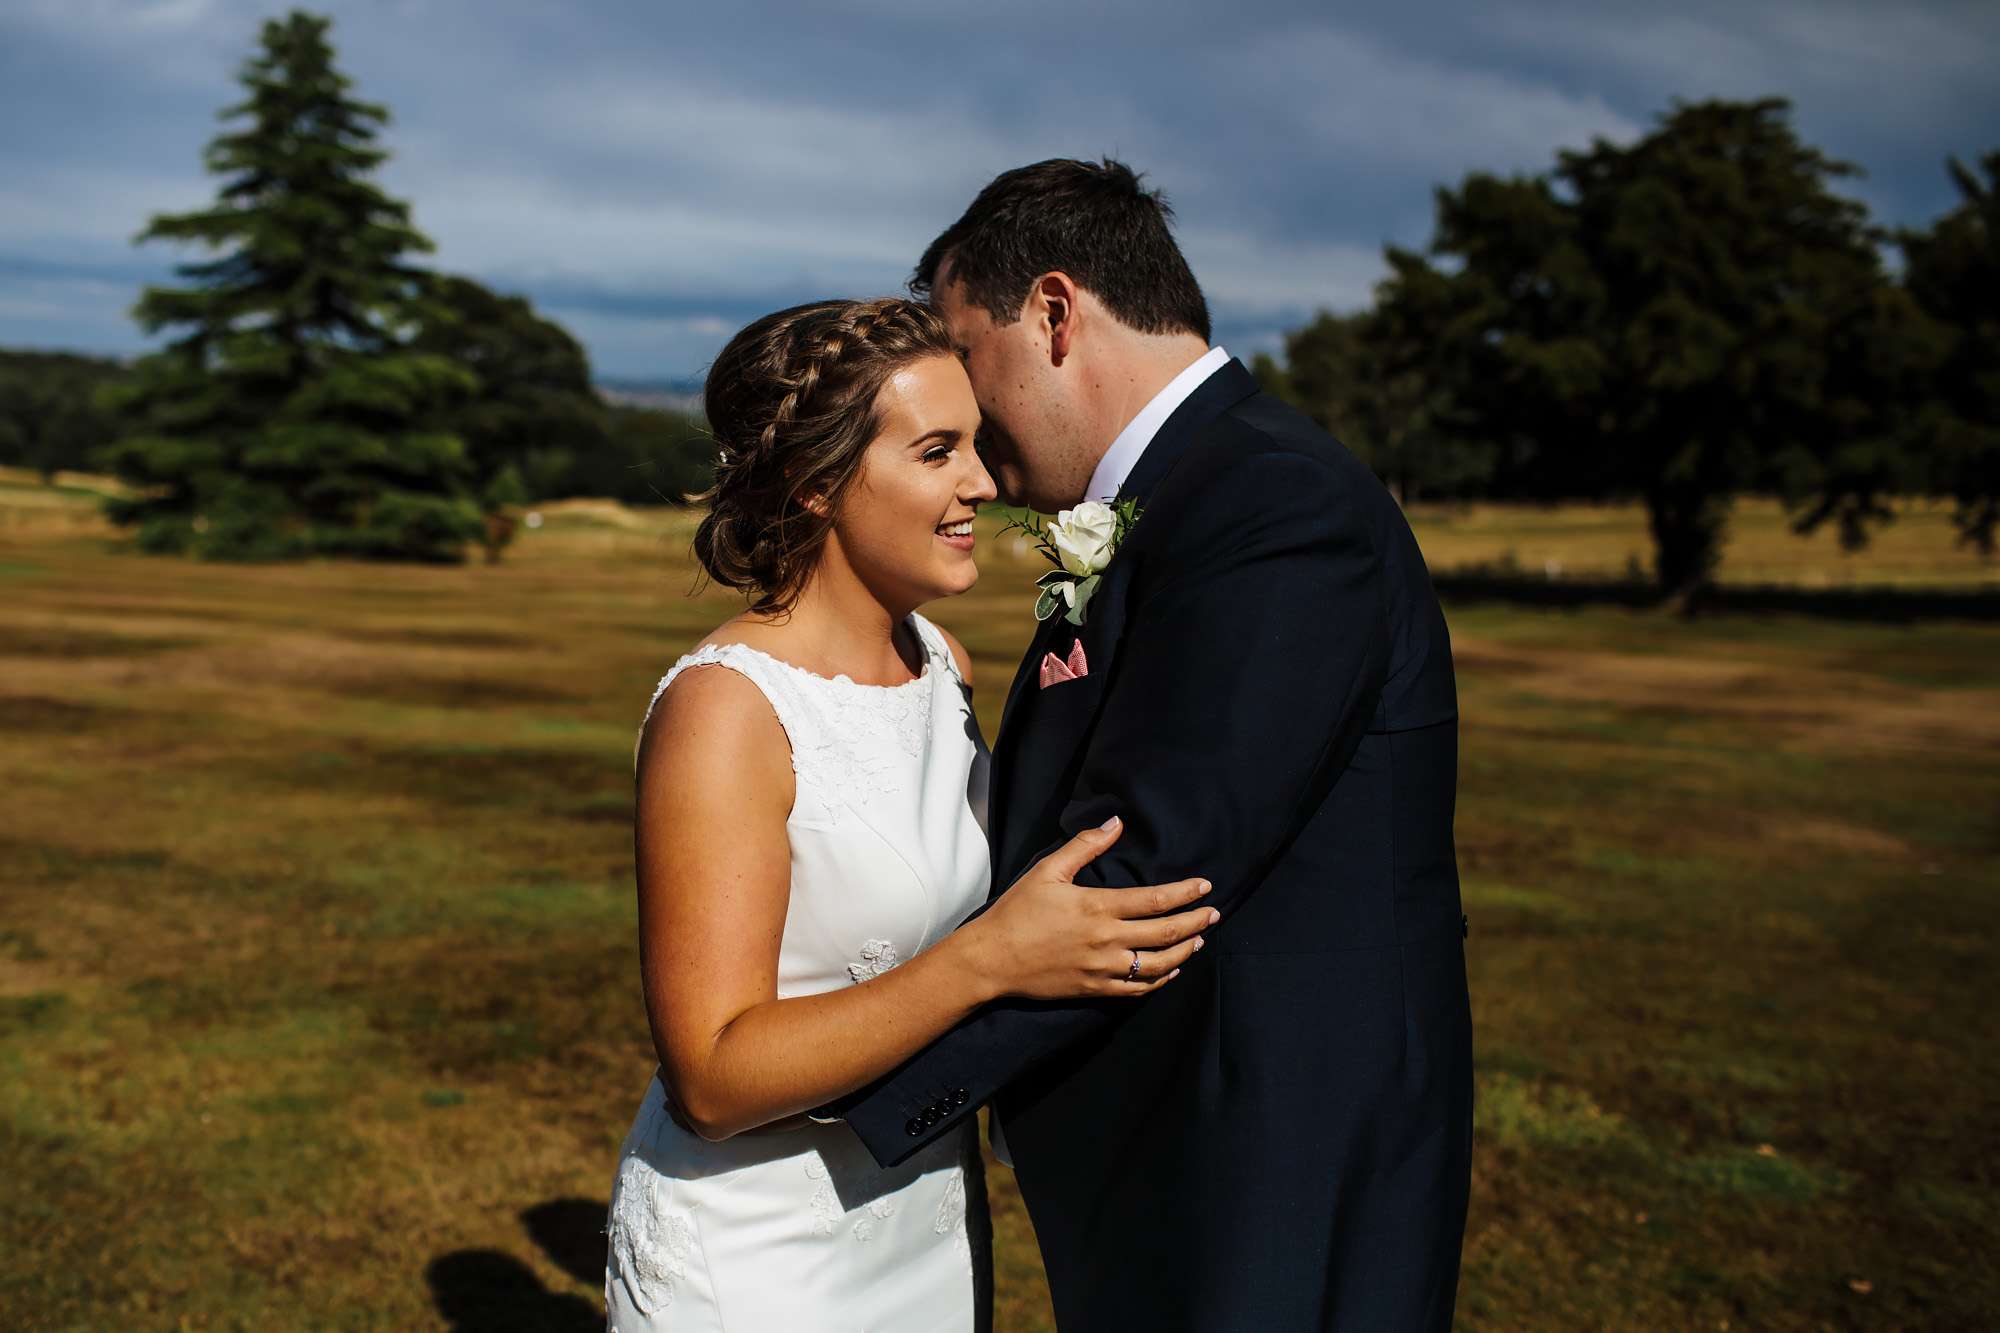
(1280, 1138)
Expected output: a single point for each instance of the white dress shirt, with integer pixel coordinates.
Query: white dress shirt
(1123, 455)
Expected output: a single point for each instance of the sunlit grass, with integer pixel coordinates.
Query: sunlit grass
(319, 998)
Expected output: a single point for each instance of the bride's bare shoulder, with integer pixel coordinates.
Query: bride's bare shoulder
(713, 717)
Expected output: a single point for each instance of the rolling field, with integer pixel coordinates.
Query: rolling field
(319, 997)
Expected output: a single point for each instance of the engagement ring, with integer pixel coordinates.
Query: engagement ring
(1132, 973)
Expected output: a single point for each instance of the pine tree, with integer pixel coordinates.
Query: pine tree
(290, 417)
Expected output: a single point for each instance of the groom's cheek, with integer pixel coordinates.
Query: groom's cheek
(1006, 476)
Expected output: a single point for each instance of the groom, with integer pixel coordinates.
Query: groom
(1280, 1139)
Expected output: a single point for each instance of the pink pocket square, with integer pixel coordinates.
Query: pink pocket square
(1054, 669)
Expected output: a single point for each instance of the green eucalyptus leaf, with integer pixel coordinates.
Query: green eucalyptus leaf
(1084, 592)
(1045, 605)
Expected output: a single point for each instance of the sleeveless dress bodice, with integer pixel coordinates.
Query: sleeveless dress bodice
(799, 1229)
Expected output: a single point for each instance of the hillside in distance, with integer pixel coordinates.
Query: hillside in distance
(678, 394)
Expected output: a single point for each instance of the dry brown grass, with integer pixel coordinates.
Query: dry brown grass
(318, 996)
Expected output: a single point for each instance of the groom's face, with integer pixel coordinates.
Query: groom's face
(1025, 439)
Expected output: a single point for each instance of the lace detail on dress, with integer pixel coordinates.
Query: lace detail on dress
(878, 1210)
(858, 714)
(877, 957)
(650, 1240)
(824, 1204)
(951, 1208)
(937, 649)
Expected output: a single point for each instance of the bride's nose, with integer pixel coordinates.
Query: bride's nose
(978, 486)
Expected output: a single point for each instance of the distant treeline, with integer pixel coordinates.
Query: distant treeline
(54, 417)
(1679, 320)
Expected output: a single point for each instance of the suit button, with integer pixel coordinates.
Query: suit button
(913, 1128)
(960, 1097)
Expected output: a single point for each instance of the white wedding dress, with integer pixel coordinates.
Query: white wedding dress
(795, 1231)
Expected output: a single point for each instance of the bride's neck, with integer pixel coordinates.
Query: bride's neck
(843, 624)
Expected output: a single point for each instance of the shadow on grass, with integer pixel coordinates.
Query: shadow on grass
(489, 1291)
(571, 1232)
(1886, 604)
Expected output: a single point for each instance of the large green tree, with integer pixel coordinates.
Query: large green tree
(290, 416)
(654, 457)
(533, 413)
(1953, 271)
(1379, 380)
(1680, 319)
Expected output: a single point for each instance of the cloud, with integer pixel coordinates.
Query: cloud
(71, 313)
(1250, 275)
(656, 176)
(1372, 105)
(60, 208)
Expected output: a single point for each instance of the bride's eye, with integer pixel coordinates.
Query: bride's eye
(937, 453)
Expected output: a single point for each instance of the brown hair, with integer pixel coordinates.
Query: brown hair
(791, 403)
(1092, 220)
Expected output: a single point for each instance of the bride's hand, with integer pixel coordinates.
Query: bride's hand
(1052, 939)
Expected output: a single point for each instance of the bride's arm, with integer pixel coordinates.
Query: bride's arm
(714, 868)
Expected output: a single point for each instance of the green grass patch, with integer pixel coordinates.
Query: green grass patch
(1748, 1174)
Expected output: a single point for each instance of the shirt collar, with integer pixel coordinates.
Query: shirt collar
(1119, 459)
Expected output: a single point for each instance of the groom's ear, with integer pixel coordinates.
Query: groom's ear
(1055, 295)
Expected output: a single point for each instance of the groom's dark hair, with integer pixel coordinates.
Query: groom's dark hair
(1091, 220)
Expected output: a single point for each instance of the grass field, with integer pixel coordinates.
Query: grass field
(318, 990)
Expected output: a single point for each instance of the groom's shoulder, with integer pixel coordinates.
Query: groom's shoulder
(1284, 429)
(1262, 452)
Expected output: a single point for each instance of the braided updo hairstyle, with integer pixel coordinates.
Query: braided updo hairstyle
(791, 403)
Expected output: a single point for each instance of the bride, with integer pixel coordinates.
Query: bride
(811, 855)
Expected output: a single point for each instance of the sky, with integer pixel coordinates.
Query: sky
(655, 175)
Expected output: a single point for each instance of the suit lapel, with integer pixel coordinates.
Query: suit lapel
(1228, 386)
(1046, 632)
(1026, 678)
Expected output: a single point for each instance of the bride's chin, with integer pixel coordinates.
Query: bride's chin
(954, 582)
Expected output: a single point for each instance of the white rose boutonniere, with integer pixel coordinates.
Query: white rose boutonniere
(1084, 537)
(1080, 543)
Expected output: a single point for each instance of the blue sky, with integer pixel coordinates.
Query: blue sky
(655, 175)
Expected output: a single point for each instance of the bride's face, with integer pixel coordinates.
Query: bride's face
(905, 524)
